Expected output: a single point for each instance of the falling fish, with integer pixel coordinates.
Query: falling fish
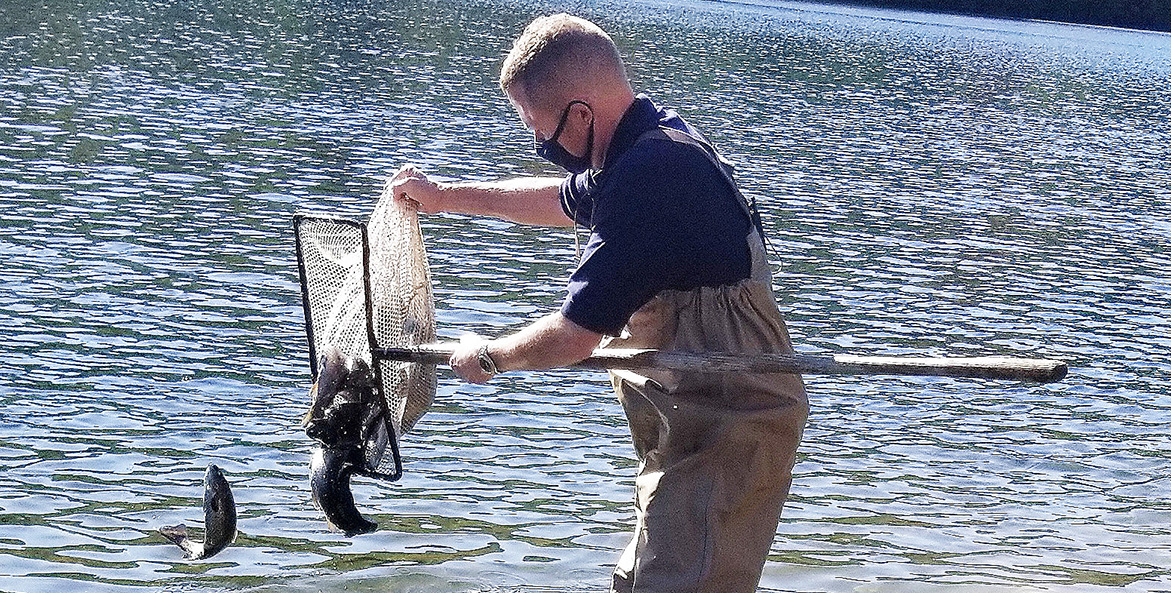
(345, 406)
(329, 477)
(219, 519)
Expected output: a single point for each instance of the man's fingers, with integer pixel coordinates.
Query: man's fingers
(464, 360)
(402, 179)
(411, 183)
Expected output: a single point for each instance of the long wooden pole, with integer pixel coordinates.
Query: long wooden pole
(989, 367)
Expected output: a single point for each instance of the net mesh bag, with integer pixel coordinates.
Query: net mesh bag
(367, 286)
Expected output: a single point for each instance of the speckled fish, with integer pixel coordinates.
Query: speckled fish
(219, 519)
(345, 406)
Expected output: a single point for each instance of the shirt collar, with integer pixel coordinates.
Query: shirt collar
(642, 116)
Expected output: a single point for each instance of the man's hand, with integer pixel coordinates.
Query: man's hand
(409, 183)
(465, 361)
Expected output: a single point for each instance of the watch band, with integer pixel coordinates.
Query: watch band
(486, 363)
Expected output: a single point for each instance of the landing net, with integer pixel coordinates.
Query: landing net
(367, 286)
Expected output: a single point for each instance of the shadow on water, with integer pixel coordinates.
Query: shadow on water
(931, 186)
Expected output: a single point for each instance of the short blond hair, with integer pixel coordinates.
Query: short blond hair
(554, 55)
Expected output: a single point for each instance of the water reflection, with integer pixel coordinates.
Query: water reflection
(931, 185)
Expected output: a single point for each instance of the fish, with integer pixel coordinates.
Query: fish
(329, 478)
(345, 414)
(219, 519)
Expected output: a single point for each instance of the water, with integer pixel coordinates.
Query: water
(932, 185)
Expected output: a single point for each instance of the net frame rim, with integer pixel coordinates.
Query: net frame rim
(299, 219)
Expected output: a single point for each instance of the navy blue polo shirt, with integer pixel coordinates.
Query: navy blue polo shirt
(661, 216)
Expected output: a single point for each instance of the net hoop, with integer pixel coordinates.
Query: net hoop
(367, 286)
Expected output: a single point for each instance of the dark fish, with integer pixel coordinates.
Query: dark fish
(219, 519)
(330, 469)
(346, 410)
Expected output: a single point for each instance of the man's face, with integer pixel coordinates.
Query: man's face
(544, 123)
(530, 117)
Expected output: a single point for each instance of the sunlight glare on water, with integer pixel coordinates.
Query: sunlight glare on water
(931, 185)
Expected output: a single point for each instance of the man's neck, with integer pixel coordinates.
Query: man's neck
(609, 115)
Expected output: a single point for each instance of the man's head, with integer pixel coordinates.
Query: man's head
(565, 78)
(558, 59)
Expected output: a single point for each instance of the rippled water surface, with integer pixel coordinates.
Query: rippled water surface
(931, 185)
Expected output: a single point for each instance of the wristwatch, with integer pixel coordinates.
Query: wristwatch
(486, 363)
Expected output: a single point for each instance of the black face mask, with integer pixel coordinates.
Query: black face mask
(553, 152)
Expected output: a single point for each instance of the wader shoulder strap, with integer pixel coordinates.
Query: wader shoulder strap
(721, 165)
(757, 244)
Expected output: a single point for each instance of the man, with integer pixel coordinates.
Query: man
(674, 261)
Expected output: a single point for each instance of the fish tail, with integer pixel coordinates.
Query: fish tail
(178, 536)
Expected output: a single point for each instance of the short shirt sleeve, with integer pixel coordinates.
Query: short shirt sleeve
(577, 192)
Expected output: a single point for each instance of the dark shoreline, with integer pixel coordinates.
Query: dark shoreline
(1151, 15)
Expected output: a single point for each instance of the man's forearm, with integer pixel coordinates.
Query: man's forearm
(550, 342)
(527, 200)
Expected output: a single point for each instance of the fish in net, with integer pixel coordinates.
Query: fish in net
(367, 286)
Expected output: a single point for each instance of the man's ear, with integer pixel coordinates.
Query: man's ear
(584, 112)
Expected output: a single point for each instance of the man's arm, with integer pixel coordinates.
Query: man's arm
(527, 200)
(550, 342)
